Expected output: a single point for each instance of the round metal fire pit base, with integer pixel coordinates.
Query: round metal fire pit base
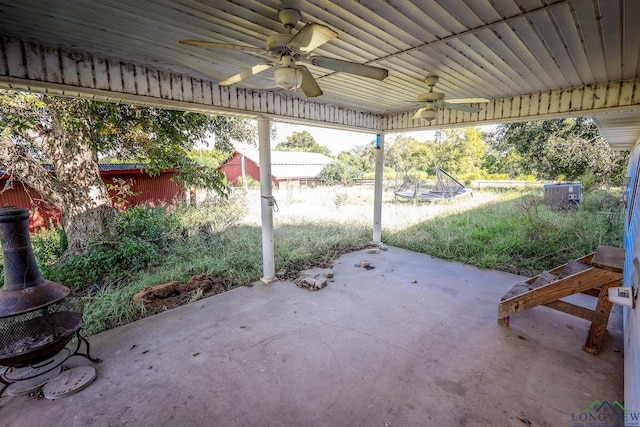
(69, 382)
(23, 388)
(31, 371)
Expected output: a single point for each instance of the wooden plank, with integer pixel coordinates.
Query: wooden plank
(269, 100)
(554, 103)
(542, 279)
(517, 289)
(101, 73)
(128, 78)
(578, 311)
(165, 85)
(15, 59)
(565, 100)
(35, 66)
(4, 70)
(635, 100)
(207, 91)
(571, 268)
(187, 89)
(115, 76)
(543, 107)
(497, 113)
(558, 270)
(575, 102)
(154, 83)
(594, 292)
(599, 96)
(220, 96)
(69, 70)
(142, 85)
(176, 87)
(85, 70)
(609, 258)
(515, 107)
(559, 289)
(260, 102)
(52, 65)
(534, 105)
(277, 103)
(598, 328)
(587, 98)
(196, 86)
(626, 93)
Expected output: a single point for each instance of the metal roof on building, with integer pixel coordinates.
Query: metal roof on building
(292, 164)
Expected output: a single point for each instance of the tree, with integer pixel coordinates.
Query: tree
(460, 150)
(569, 148)
(71, 133)
(407, 153)
(302, 141)
(502, 158)
(338, 173)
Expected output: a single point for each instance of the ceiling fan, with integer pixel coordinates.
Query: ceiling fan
(287, 48)
(435, 101)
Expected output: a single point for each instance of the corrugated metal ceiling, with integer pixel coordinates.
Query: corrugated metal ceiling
(479, 48)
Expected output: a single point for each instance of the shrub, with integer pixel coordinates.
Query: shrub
(336, 173)
(141, 235)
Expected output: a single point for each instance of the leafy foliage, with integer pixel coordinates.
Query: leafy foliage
(338, 173)
(141, 236)
(553, 149)
(361, 158)
(72, 133)
(302, 141)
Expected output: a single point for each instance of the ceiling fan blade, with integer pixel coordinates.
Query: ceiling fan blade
(469, 101)
(416, 116)
(350, 67)
(311, 36)
(309, 85)
(245, 74)
(237, 47)
(462, 107)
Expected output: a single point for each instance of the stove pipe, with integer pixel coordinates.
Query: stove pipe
(24, 288)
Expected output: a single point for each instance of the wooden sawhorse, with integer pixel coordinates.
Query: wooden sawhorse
(592, 275)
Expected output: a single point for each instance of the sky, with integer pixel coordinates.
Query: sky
(340, 140)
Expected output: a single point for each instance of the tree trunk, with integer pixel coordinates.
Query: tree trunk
(76, 189)
(89, 223)
(86, 207)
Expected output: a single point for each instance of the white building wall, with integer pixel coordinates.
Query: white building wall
(632, 278)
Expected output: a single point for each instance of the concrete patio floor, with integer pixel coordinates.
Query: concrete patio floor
(414, 341)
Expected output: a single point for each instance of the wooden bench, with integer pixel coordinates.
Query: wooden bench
(591, 275)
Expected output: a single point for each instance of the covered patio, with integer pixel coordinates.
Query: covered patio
(373, 347)
(413, 341)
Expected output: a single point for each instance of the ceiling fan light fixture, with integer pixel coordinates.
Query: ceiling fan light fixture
(288, 78)
(429, 114)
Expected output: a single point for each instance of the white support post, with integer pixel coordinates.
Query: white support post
(266, 201)
(377, 197)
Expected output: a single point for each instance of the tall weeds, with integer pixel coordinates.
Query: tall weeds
(509, 231)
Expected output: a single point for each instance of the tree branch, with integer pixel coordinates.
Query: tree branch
(16, 162)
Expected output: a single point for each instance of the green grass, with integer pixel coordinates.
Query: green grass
(521, 236)
(506, 230)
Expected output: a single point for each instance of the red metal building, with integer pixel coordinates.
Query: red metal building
(286, 166)
(145, 189)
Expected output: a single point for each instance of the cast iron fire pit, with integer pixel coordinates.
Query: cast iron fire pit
(38, 317)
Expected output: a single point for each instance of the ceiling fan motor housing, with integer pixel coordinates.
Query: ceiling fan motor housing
(279, 44)
(289, 17)
(431, 97)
